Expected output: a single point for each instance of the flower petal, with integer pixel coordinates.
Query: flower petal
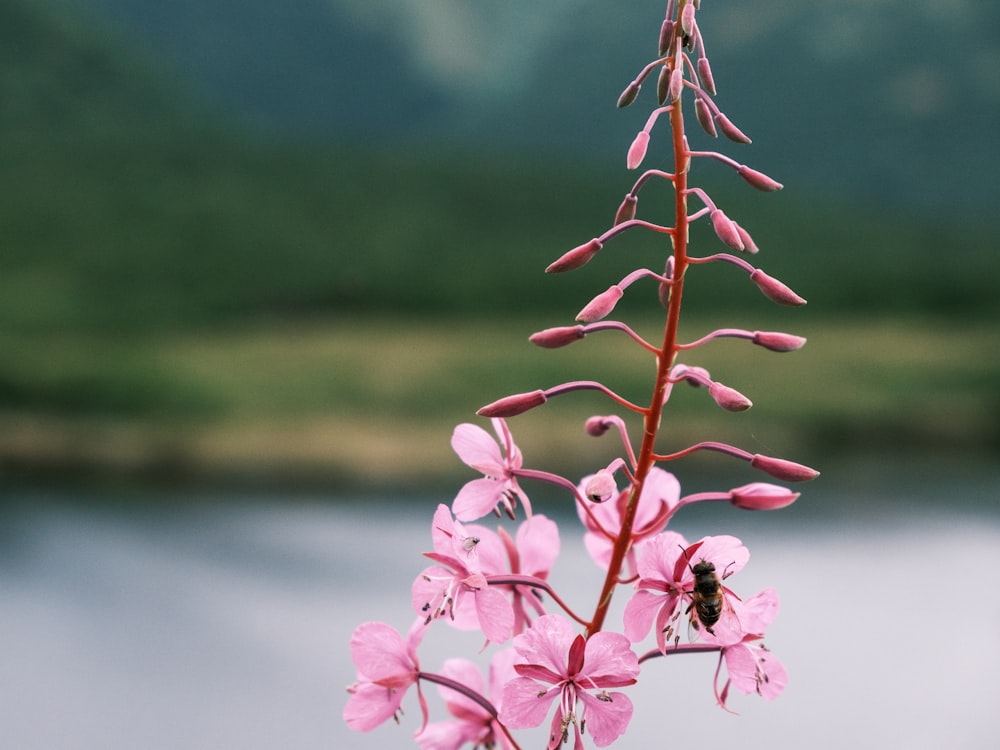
(477, 498)
(525, 703)
(477, 448)
(607, 716)
(380, 654)
(370, 705)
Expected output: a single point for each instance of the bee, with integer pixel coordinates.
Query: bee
(708, 601)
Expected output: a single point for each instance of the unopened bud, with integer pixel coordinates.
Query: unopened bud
(676, 83)
(663, 85)
(637, 151)
(775, 290)
(553, 338)
(596, 426)
(577, 257)
(629, 94)
(601, 306)
(749, 246)
(600, 487)
(757, 179)
(705, 74)
(687, 19)
(762, 496)
(666, 36)
(704, 115)
(729, 130)
(729, 398)
(777, 341)
(511, 406)
(726, 230)
(780, 468)
(626, 211)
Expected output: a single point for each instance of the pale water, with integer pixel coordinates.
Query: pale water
(225, 625)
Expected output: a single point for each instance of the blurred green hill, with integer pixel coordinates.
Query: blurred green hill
(135, 220)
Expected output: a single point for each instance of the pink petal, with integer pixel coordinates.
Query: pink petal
(477, 498)
(759, 611)
(501, 672)
(370, 705)
(609, 660)
(726, 552)
(639, 613)
(496, 616)
(466, 673)
(442, 530)
(660, 486)
(522, 707)
(538, 545)
(447, 735)
(546, 643)
(380, 654)
(659, 556)
(425, 595)
(477, 448)
(607, 719)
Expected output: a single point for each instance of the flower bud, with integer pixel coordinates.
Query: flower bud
(749, 246)
(663, 85)
(553, 338)
(705, 74)
(779, 468)
(629, 94)
(775, 290)
(762, 496)
(676, 83)
(626, 211)
(729, 130)
(601, 306)
(666, 36)
(577, 257)
(757, 179)
(726, 230)
(511, 406)
(704, 115)
(637, 151)
(687, 19)
(600, 487)
(596, 426)
(728, 398)
(777, 341)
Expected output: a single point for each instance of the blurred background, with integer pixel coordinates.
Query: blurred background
(258, 259)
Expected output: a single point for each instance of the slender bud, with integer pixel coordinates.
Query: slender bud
(762, 496)
(757, 179)
(577, 257)
(729, 398)
(729, 130)
(663, 85)
(749, 245)
(687, 19)
(705, 74)
(626, 211)
(676, 83)
(601, 306)
(511, 406)
(726, 230)
(553, 338)
(637, 151)
(777, 341)
(774, 290)
(596, 426)
(664, 291)
(629, 94)
(600, 487)
(779, 468)
(704, 115)
(666, 36)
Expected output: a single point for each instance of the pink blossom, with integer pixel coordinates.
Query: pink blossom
(751, 667)
(387, 666)
(558, 664)
(666, 583)
(660, 495)
(499, 485)
(457, 587)
(533, 552)
(473, 723)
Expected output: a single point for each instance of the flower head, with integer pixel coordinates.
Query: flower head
(457, 586)
(387, 666)
(498, 486)
(556, 664)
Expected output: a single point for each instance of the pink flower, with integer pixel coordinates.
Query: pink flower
(387, 666)
(533, 552)
(666, 581)
(751, 667)
(499, 484)
(458, 587)
(473, 723)
(557, 664)
(660, 495)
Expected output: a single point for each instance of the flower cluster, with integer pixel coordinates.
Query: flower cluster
(547, 660)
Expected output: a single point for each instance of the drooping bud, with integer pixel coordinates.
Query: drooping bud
(629, 94)
(729, 130)
(729, 398)
(601, 306)
(511, 406)
(664, 291)
(666, 36)
(626, 211)
(577, 257)
(777, 341)
(762, 496)
(704, 115)
(749, 245)
(726, 230)
(676, 83)
(687, 19)
(553, 338)
(705, 75)
(596, 426)
(600, 487)
(637, 151)
(757, 179)
(663, 85)
(774, 290)
(780, 468)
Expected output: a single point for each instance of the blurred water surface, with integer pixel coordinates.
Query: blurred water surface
(225, 624)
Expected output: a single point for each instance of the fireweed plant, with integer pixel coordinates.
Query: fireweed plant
(551, 662)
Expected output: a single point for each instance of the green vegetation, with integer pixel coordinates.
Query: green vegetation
(177, 298)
